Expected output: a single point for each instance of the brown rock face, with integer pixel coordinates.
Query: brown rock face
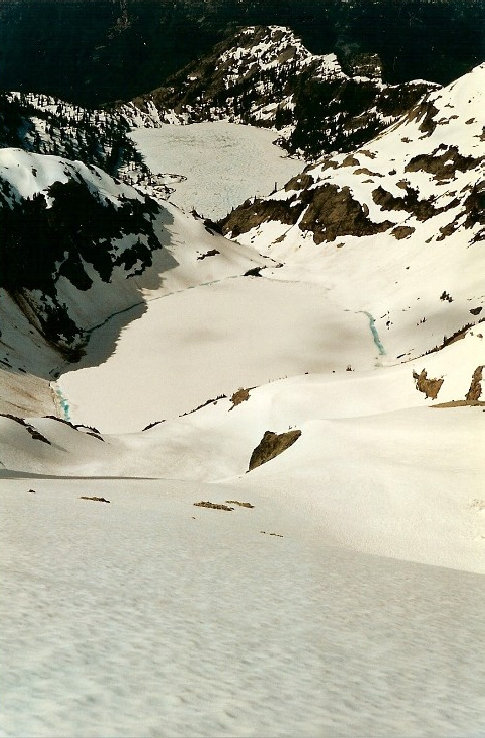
(475, 390)
(300, 182)
(333, 212)
(250, 215)
(242, 395)
(430, 387)
(271, 445)
(422, 209)
(402, 231)
(350, 161)
(442, 165)
(426, 114)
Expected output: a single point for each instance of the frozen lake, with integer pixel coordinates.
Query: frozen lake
(224, 163)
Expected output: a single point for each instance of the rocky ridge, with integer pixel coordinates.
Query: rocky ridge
(427, 167)
(393, 230)
(66, 227)
(98, 51)
(265, 76)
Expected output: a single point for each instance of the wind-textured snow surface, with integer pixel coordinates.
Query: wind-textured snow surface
(217, 165)
(149, 616)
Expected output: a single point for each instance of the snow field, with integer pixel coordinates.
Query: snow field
(210, 627)
(253, 330)
(223, 163)
(376, 468)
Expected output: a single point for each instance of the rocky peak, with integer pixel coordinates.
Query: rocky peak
(265, 76)
(428, 164)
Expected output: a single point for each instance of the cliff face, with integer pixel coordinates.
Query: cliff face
(95, 51)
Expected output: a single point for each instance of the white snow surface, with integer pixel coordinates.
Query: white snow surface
(349, 600)
(220, 164)
(189, 255)
(28, 174)
(149, 616)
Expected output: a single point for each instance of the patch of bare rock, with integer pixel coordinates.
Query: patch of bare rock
(272, 445)
(430, 387)
(213, 506)
(241, 395)
(475, 390)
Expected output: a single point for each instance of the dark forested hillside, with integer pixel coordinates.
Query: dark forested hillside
(95, 51)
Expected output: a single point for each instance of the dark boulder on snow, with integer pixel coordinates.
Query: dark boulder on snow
(272, 445)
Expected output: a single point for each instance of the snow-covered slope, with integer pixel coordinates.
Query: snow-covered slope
(46, 125)
(149, 616)
(265, 76)
(369, 441)
(333, 310)
(394, 228)
(78, 247)
(262, 478)
(380, 265)
(67, 228)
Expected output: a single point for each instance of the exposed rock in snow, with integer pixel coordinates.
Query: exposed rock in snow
(475, 391)
(79, 247)
(416, 177)
(272, 445)
(409, 201)
(430, 387)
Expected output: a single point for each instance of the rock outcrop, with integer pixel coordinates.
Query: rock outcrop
(475, 391)
(272, 445)
(430, 387)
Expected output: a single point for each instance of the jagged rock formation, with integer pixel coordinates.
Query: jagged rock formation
(97, 51)
(265, 76)
(241, 395)
(475, 391)
(429, 387)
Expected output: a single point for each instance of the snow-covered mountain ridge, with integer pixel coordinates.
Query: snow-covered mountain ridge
(410, 201)
(265, 76)
(65, 223)
(398, 201)
(430, 161)
(78, 246)
(46, 125)
(186, 425)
